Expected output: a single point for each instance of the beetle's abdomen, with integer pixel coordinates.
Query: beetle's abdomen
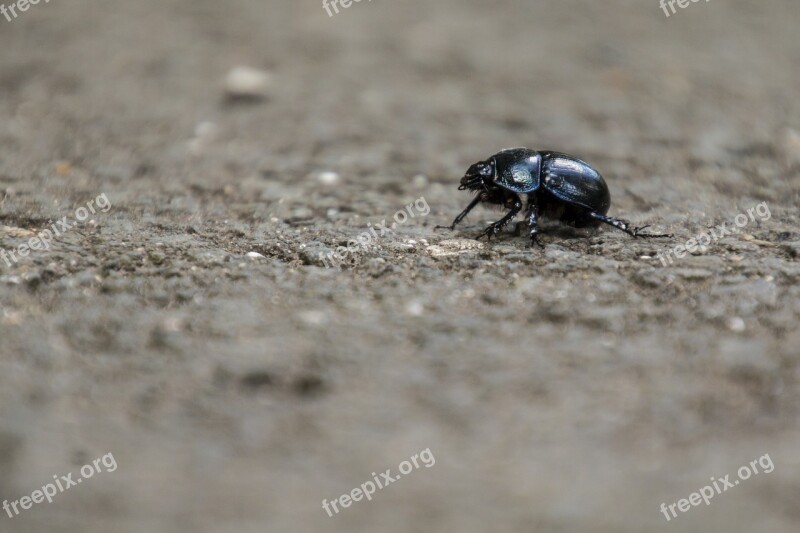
(575, 182)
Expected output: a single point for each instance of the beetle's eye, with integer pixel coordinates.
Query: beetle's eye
(485, 170)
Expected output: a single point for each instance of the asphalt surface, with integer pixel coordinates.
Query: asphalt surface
(188, 333)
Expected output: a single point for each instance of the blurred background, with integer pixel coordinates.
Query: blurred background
(193, 332)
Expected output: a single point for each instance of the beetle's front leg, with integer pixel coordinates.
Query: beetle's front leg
(475, 201)
(495, 228)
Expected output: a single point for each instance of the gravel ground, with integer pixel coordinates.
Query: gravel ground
(189, 328)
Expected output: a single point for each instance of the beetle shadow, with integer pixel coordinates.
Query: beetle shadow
(552, 232)
(556, 230)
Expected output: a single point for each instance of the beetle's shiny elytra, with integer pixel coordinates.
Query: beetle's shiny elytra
(555, 185)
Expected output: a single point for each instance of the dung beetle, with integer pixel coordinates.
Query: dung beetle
(548, 184)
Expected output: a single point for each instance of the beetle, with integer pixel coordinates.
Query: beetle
(548, 184)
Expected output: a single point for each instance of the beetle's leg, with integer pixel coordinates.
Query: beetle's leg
(475, 201)
(625, 226)
(495, 228)
(533, 221)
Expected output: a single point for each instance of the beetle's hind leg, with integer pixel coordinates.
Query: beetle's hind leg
(533, 221)
(624, 225)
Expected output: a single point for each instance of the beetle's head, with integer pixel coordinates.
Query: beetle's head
(479, 176)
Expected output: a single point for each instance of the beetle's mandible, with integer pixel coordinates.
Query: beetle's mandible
(549, 185)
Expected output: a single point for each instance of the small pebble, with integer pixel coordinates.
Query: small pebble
(735, 323)
(420, 181)
(313, 317)
(14, 232)
(451, 247)
(248, 82)
(63, 168)
(791, 144)
(255, 255)
(204, 134)
(693, 273)
(328, 178)
(206, 130)
(415, 308)
(171, 324)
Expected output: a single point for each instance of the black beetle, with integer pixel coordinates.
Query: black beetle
(555, 185)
